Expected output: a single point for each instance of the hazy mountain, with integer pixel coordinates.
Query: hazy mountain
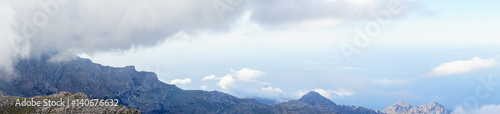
(8, 105)
(431, 108)
(398, 108)
(402, 107)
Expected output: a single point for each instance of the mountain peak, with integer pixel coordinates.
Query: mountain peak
(398, 108)
(403, 103)
(434, 104)
(312, 94)
(402, 107)
(317, 100)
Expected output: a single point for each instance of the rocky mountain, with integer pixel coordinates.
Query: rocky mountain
(310, 103)
(402, 107)
(8, 105)
(143, 91)
(314, 103)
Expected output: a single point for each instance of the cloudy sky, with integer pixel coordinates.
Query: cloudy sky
(370, 53)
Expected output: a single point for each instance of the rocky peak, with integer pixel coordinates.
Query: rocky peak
(431, 108)
(403, 103)
(402, 107)
(131, 68)
(317, 100)
(312, 95)
(398, 108)
(434, 104)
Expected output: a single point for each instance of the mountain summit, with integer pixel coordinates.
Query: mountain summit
(402, 107)
(398, 108)
(317, 100)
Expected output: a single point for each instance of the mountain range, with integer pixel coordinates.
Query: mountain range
(143, 91)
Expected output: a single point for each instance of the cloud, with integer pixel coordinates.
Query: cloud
(248, 74)
(104, 25)
(244, 75)
(181, 81)
(92, 26)
(270, 89)
(486, 109)
(267, 92)
(226, 81)
(389, 82)
(330, 94)
(12, 45)
(462, 66)
(244, 83)
(204, 87)
(210, 77)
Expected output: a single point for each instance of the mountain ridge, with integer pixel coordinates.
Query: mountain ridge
(143, 91)
(402, 107)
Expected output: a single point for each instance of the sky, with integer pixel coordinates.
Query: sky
(369, 53)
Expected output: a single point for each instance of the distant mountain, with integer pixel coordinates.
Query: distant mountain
(8, 105)
(143, 90)
(315, 99)
(348, 109)
(431, 108)
(398, 108)
(310, 103)
(266, 101)
(402, 107)
(314, 103)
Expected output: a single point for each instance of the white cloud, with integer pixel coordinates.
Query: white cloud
(211, 77)
(486, 109)
(181, 81)
(243, 83)
(330, 94)
(226, 81)
(204, 87)
(12, 45)
(462, 66)
(388, 82)
(266, 92)
(244, 75)
(342, 93)
(248, 74)
(270, 89)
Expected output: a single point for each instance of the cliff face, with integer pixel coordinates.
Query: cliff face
(8, 105)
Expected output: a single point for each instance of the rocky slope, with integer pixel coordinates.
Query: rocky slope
(402, 107)
(8, 105)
